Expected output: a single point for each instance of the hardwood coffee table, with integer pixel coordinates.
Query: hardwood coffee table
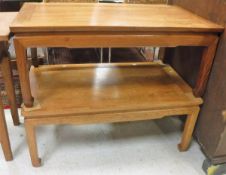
(117, 92)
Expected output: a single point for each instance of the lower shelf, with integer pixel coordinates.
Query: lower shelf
(106, 88)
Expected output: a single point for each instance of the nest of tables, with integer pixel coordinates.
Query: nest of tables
(105, 93)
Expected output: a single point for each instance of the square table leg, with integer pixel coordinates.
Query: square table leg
(8, 80)
(4, 137)
(205, 68)
(32, 144)
(188, 130)
(23, 73)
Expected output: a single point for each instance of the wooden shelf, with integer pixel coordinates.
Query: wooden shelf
(106, 88)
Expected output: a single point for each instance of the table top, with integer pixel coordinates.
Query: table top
(67, 17)
(100, 88)
(6, 19)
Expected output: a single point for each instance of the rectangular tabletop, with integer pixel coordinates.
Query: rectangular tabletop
(57, 17)
(6, 19)
(106, 88)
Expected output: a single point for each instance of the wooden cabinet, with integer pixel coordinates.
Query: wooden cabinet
(211, 127)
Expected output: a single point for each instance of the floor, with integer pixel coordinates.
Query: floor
(138, 148)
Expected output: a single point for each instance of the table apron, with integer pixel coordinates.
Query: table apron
(21, 42)
(115, 40)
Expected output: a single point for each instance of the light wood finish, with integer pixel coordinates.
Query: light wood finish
(6, 19)
(8, 80)
(55, 17)
(181, 28)
(121, 92)
(4, 136)
(146, 1)
(188, 130)
(22, 70)
(32, 144)
(106, 93)
(32, 123)
(74, 1)
(206, 65)
(115, 39)
(9, 87)
(161, 51)
(106, 88)
(123, 116)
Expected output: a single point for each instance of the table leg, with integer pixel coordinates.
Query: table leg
(34, 57)
(8, 80)
(205, 68)
(4, 136)
(188, 130)
(23, 73)
(32, 144)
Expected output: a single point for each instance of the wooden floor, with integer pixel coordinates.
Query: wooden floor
(84, 89)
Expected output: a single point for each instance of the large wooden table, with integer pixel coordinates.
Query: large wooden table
(111, 25)
(97, 95)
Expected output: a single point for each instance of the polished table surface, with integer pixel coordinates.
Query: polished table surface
(55, 17)
(106, 88)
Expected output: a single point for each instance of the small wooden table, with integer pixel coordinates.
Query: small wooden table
(5, 19)
(88, 25)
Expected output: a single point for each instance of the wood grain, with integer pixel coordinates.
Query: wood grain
(23, 73)
(115, 39)
(8, 80)
(107, 93)
(188, 130)
(205, 68)
(6, 19)
(55, 17)
(4, 136)
(40, 27)
(106, 89)
(113, 117)
(31, 140)
(32, 123)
